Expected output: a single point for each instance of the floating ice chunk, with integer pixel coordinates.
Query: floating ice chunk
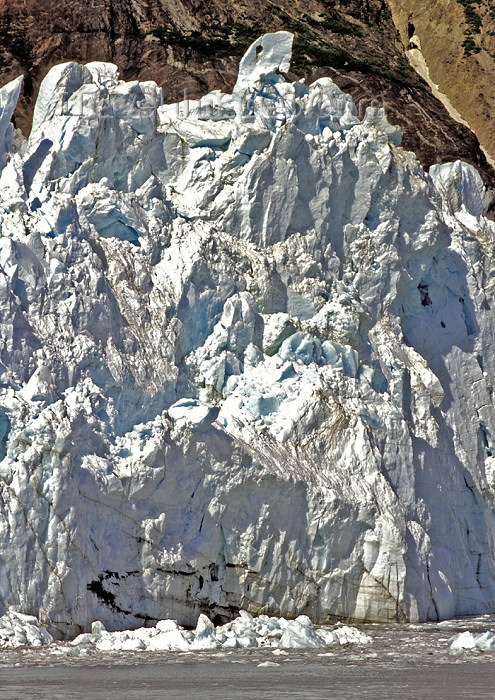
(467, 641)
(171, 640)
(205, 634)
(330, 637)
(108, 643)
(245, 632)
(246, 617)
(97, 627)
(18, 630)
(486, 641)
(300, 634)
(247, 641)
(204, 627)
(167, 625)
(350, 635)
(133, 645)
(85, 639)
(267, 664)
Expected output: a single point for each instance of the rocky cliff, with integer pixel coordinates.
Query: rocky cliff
(246, 355)
(457, 42)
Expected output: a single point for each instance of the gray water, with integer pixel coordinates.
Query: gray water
(403, 661)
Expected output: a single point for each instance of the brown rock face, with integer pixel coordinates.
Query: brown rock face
(195, 46)
(457, 40)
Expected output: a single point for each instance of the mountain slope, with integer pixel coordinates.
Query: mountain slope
(457, 40)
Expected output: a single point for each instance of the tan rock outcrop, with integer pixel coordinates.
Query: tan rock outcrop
(457, 41)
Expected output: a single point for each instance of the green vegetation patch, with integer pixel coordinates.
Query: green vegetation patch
(470, 46)
(216, 41)
(311, 48)
(472, 18)
(337, 26)
(309, 51)
(474, 22)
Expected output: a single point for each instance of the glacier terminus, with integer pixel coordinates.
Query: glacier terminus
(246, 359)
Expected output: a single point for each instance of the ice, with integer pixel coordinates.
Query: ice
(300, 634)
(461, 186)
(9, 95)
(245, 632)
(19, 630)
(246, 354)
(266, 57)
(350, 635)
(267, 664)
(59, 85)
(205, 637)
(193, 413)
(469, 641)
(214, 134)
(106, 74)
(172, 640)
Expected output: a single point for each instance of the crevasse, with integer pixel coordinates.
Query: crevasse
(246, 358)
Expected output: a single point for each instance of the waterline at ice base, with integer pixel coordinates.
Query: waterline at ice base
(246, 357)
(261, 641)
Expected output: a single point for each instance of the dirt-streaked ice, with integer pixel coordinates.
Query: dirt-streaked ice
(246, 350)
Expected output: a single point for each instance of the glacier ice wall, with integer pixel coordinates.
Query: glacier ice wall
(246, 358)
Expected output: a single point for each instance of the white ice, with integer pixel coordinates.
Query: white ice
(17, 629)
(244, 632)
(246, 361)
(469, 641)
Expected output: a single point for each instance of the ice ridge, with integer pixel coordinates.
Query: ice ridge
(246, 358)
